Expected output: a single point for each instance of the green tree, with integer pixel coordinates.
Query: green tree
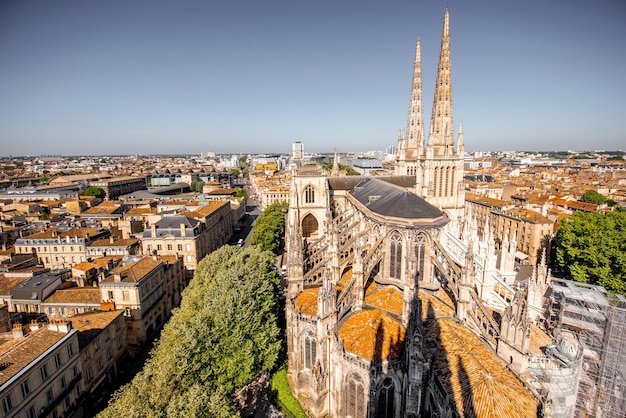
(197, 186)
(593, 197)
(94, 191)
(224, 334)
(235, 172)
(591, 248)
(270, 227)
(241, 193)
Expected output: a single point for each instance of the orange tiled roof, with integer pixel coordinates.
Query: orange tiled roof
(74, 232)
(133, 272)
(307, 301)
(389, 299)
(17, 354)
(345, 279)
(373, 334)
(473, 376)
(89, 295)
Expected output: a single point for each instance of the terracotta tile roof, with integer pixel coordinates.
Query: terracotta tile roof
(168, 259)
(91, 324)
(74, 232)
(307, 301)
(345, 279)
(19, 353)
(473, 376)
(441, 305)
(141, 211)
(373, 334)
(8, 283)
(106, 242)
(389, 299)
(104, 261)
(372, 286)
(206, 210)
(90, 295)
(85, 266)
(133, 272)
(103, 209)
(538, 339)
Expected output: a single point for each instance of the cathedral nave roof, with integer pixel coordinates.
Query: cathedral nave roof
(394, 201)
(373, 334)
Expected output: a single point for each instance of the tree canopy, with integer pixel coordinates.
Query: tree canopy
(197, 186)
(94, 191)
(593, 197)
(270, 227)
(224, 334)
(591, 248)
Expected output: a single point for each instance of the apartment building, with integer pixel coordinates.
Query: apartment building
(145, 289)
(103, 344)
(530, 230)
(191, 235)
(58, 248)
(42, 375)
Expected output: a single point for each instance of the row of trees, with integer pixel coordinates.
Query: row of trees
(591, 248)
(270, 228)
(224, 333)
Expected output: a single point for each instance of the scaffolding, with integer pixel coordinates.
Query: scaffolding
(599, 319)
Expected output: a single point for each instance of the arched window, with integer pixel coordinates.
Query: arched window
(447, 181)
(310, 351)
(452, 184)
(440, 182)
(395, 259)
(309, 225)
(419, 256)
(386, 405)
(309, 194)
(354, 397)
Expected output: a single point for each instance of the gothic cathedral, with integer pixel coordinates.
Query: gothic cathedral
(360, 248)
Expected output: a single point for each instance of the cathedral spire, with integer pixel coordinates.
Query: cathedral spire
(415, 123)
(335, 171)
(460, 144)
(441, 136)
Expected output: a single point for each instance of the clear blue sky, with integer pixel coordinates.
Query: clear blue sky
(230, 76)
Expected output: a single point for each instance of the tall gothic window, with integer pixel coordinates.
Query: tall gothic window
(309, 225)
(447, 180)
(386, 405)
(309, 194)
(354, 397)
(440, 182)
(452, 185)
(310, 351)
(395, 259)
(419, 255)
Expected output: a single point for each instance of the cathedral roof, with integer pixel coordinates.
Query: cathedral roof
(307, 301)
(389, 299)
(373, 334)
(391, 200)
(476, 380)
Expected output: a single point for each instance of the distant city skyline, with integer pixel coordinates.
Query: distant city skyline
(161, 77)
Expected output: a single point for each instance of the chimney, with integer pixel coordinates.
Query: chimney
(111, 239)
(60, 326)
(183, 229)
(17, 332)
(34, 325)
(117, 277)
(153, 229)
